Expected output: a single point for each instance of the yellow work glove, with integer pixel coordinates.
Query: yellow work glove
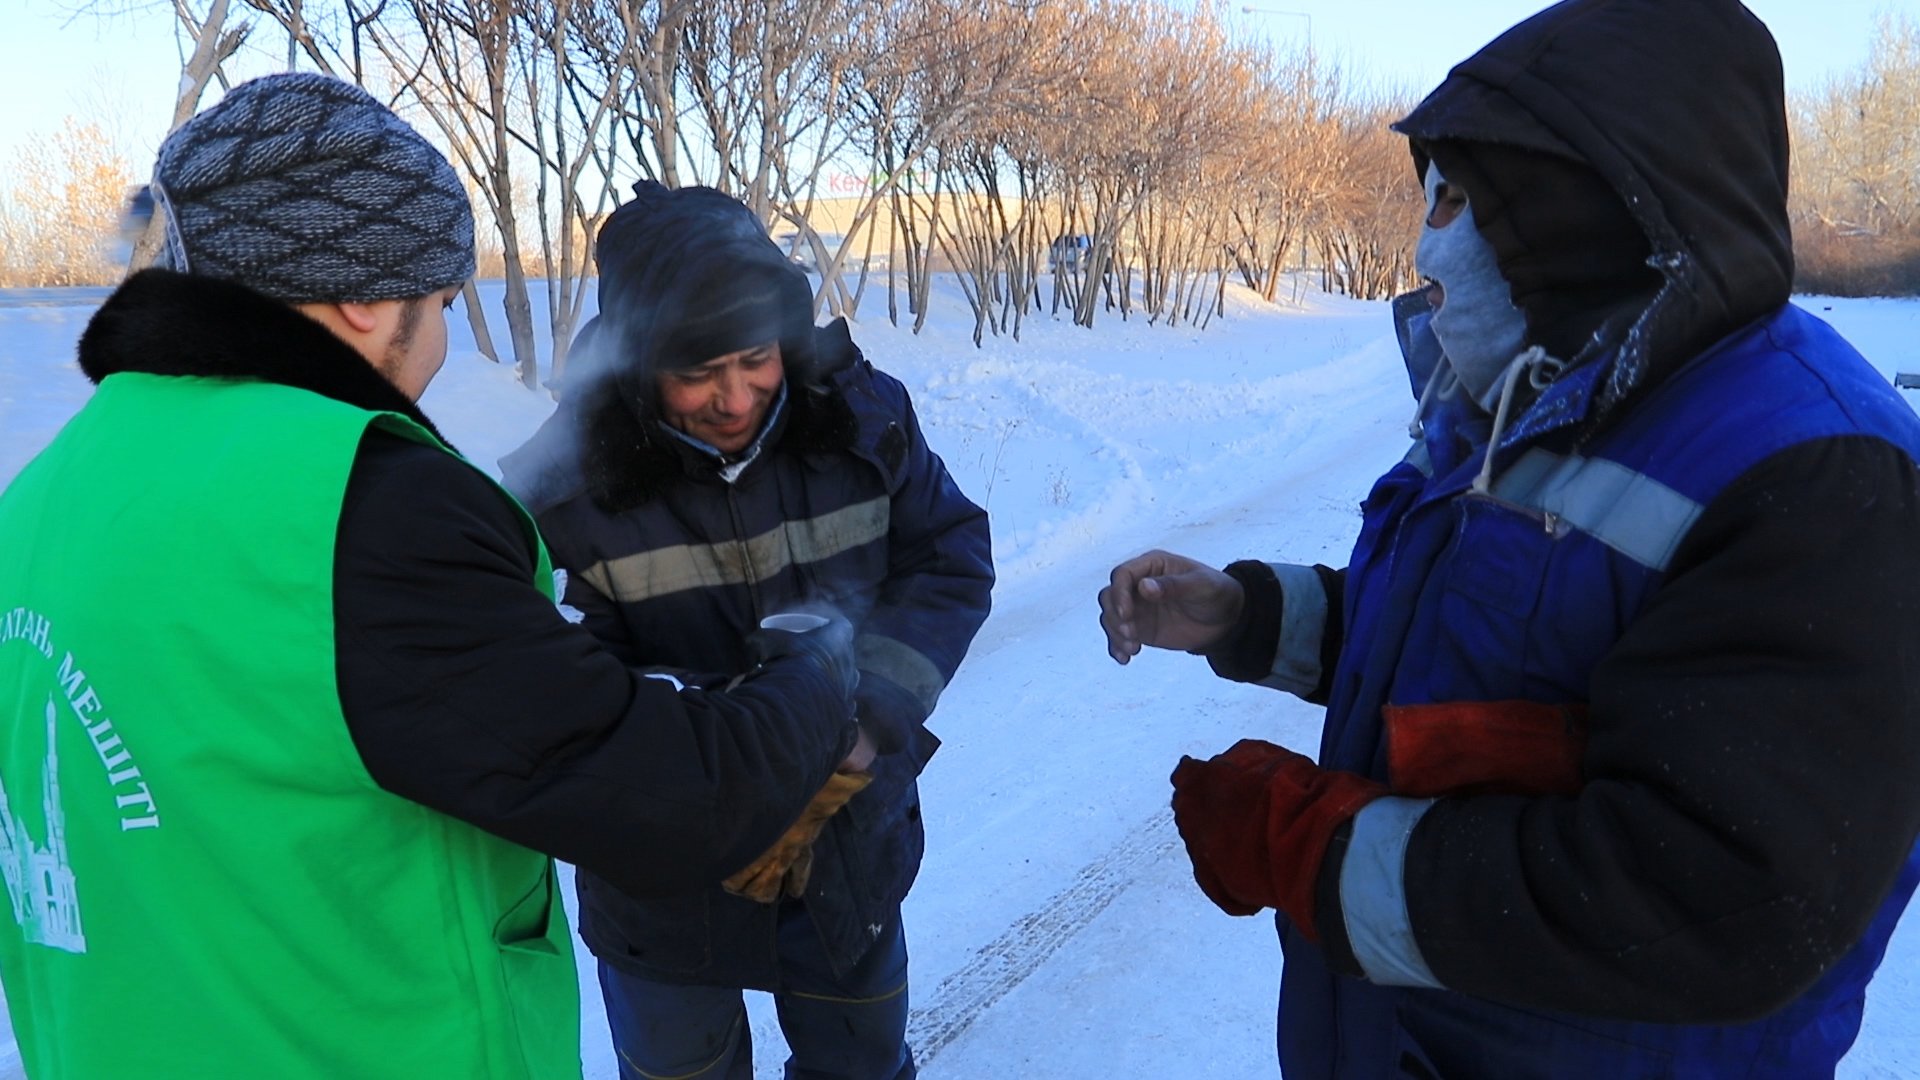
(789, 862)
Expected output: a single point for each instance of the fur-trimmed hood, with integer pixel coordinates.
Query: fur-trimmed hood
(160, 322)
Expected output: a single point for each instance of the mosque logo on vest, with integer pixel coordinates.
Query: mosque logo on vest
(39, 877)
(40, 883)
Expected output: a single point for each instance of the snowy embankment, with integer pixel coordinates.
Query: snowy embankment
(1054, 929)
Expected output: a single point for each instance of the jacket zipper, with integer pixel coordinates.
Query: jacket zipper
(746, 554)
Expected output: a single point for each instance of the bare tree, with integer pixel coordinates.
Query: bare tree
(60, 216)
(933, 75)
(1142, 142)
(1291, 151)
(333, 35)
(1858, 166)
(562, 131)
(1856, 172)
(213, 43)
(1366, 240)
(1181, 237)
(758, 73)
(473, 59)
(628, 52)
(1110, 142)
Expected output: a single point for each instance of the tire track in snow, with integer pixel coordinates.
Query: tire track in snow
(1006, 962)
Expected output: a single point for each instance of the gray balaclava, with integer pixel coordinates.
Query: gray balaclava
(305, 188)
(1478, 325)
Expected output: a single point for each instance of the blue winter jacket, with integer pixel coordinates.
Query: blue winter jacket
(1641, 678)
(1509, 936)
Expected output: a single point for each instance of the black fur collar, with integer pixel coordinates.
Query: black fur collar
(165, 323)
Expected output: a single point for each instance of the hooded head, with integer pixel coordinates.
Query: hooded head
(688, 275)
(1626, 161)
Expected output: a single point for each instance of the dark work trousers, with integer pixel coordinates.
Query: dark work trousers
(851, 1028)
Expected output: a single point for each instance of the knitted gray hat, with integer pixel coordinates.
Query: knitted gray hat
(305, 188)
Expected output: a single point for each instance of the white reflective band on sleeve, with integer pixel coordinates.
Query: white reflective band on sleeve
(1373, 893)
(1630, 512)
(1303, 626)
(903, 664)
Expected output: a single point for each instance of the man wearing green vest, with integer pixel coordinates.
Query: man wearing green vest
(289, 723)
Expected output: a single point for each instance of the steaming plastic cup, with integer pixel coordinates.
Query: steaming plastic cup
(793, 622)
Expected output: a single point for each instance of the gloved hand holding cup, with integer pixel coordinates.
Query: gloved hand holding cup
(827, 641)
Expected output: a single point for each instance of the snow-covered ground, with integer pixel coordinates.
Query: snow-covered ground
(1054, 929)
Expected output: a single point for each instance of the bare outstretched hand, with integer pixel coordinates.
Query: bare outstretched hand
(1168, 601)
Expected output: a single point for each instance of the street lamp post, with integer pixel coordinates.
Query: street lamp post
(1249, 9)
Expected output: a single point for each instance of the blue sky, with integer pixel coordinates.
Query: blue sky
(124, 68)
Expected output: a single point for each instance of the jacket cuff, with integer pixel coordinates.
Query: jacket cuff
(1286, 634)
(887, 711)
(1246, 653)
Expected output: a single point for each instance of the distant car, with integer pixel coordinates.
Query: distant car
(1907, 380)
(1067, 253)
(800, 253)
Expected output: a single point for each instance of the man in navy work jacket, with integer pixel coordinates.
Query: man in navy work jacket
(1617, 777)
(717, 459)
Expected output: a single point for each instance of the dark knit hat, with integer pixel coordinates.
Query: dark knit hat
(689, 274)
(305, 188)
(749, 306)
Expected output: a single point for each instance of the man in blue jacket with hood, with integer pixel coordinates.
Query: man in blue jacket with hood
(1617, 772)
(717, 459)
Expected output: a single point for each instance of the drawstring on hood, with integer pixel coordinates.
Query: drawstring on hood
(1540, 370)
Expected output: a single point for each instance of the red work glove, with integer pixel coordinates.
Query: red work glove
(1256, 821)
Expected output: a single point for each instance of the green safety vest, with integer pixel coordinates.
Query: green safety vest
(204, 880)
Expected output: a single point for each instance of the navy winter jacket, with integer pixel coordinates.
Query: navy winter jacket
(675, 558)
